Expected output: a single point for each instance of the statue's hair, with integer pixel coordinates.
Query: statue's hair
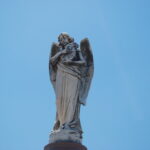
(63, 34)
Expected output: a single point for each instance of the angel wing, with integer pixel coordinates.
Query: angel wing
(53, 68)
(88, 69)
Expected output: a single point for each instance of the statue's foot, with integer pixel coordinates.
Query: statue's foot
(65, 135)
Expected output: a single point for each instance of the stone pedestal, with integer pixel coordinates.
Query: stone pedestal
(65, 146)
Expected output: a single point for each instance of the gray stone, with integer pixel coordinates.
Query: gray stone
(71, 70)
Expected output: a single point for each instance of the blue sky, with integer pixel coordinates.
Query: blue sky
(117, 115)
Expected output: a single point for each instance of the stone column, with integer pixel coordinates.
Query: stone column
(65, 146)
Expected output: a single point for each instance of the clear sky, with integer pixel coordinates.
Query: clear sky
(117, 115)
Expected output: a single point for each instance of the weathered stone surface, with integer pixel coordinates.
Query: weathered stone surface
(65, 135)
(71, 71)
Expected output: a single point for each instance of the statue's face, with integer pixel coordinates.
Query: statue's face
(63, 40)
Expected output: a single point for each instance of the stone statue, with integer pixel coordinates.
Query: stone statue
(71, 70)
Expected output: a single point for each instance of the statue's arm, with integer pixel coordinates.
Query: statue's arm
(81, 60)
(74, 63)
(55, 58)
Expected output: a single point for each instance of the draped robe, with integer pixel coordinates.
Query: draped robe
(67, 89)
(67, 96)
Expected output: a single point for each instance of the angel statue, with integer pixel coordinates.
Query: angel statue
(71, 70)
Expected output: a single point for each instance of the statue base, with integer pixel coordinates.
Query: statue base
(65, 135)
(65, 146)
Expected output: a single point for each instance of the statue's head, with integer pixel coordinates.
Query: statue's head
(64, 39)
